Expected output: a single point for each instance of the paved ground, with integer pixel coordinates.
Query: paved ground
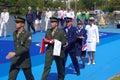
(107, 56)
(11, 25)
(107, 59)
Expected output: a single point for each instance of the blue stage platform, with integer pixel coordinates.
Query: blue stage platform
(107, 59)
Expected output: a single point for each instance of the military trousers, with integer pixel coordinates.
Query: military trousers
(48, 62)
(74, 60)
(14, 72)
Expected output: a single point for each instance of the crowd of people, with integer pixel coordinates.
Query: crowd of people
(75, 41)
(36, 19)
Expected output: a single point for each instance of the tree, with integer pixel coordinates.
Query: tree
(88, 3)
(114, 5)
(56, 4)
(80, 5)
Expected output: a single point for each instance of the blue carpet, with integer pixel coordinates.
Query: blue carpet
(107, 59)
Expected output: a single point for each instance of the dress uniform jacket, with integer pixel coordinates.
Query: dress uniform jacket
(22, 44)
(71, 49)
(59, 35)
(92, 37)
(71, 38)
(80, 32)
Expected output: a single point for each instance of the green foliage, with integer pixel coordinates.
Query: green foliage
(80, 5)
(114, 5)
(88, 3)
(55, 4)
(20, 6)
(48, 4)
(77, 5)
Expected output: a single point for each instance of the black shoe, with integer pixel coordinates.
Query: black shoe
(78, 73)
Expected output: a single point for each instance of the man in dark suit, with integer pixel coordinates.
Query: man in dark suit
(38, 21)
(80, 42)
(30, 17)
(52, 34)
(70, 49)
(21, 57)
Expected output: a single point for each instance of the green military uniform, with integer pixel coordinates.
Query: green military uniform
(22, 57)
(59, 35)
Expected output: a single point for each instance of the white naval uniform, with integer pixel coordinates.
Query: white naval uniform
(3, 21)
(92, 37)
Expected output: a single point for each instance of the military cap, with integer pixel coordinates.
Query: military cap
(91, 18)
(68, 19)
(19, 19)
(53, 19)
(79, 22)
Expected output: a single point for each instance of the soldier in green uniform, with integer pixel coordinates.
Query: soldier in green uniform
(59, 34)
(20, 56)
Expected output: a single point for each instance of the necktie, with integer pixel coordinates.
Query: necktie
(53, 32)
(18, 34)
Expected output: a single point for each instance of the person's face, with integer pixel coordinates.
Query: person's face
(48, 9)
(4, 10)
(53, 25)
(37, 8)
(69, 23)
(59, 8)
(91, 21)
(78, 10)
(68, 9)
(80, 25)
(19, 25)
(29, 8)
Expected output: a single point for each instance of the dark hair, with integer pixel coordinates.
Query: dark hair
(4, 8)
